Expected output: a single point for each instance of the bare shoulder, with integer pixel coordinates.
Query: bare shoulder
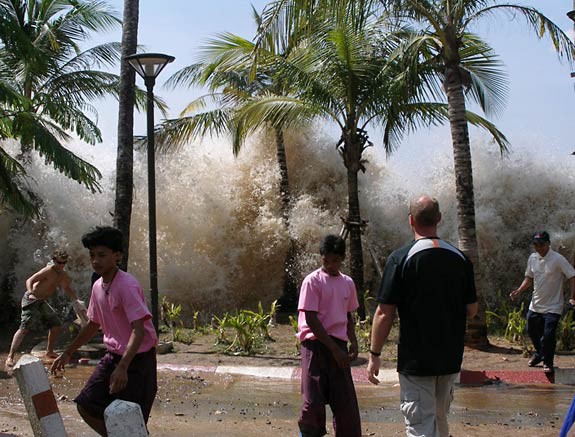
(44, 272)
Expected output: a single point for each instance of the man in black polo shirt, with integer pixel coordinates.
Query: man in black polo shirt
(431, 284)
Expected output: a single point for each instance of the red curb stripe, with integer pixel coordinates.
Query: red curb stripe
(482, 377)
(45, 403)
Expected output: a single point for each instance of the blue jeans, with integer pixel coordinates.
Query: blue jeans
(541, 328)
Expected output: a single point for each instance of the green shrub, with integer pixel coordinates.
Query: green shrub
(566, 332)
(250, 328)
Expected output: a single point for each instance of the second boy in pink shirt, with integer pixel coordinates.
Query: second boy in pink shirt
(117, 305)
(325, 325)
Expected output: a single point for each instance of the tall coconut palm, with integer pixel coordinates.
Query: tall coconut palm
(125, 155)
(444, 41)
(349, 72)
(41, 62)
(227, 68)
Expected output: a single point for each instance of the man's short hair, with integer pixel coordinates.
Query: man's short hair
(333, 244)
(106, 236)
(425, 213)
(60, 254)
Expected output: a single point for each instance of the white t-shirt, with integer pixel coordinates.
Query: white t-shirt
(548, 273)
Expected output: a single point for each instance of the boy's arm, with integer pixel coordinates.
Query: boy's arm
(321, 334)
(81, 339)
(119, 377)
(353, 348)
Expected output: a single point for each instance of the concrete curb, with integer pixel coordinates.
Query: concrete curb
(359, 374)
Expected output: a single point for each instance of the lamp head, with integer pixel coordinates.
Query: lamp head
(149, 65)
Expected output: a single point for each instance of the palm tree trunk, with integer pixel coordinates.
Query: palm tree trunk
(477, 327)
(288, 301)
(125, 157)
(355, 246)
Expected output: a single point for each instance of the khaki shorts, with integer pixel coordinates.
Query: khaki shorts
(425, 402)
(37, 315)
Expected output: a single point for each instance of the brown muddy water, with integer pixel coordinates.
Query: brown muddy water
(212, 405)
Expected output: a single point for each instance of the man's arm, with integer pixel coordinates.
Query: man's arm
(572, 291)
(321, 334)
(65, 284)
(119, 377)
(81, 339)
(36, 277)
(382, 323)
(526, 284)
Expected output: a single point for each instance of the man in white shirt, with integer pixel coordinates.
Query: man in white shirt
(546, 271)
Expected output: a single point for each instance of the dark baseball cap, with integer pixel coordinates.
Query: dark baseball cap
(540, 237)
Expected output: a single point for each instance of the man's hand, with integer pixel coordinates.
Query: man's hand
(118, 379)
(60, 363)
(373, 369)
(514, 294)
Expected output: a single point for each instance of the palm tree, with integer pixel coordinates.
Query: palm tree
(125, 157)
(350, 72)
(227, 68)
(47, 82)
(445, 41)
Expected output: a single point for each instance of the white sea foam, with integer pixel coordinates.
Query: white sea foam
(221, 239)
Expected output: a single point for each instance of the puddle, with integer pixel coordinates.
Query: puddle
(214, 405)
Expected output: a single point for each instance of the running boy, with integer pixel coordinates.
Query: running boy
(36, 311)
(117, 305)
(325, 325)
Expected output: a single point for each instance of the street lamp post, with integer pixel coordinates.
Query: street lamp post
(149, 66)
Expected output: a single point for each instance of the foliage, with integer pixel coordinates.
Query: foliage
(172, 317)
(513, 320)
(363, 334)
(47, 85)
(219, 326)
(294, 324)
(250, 328)
(566, 331)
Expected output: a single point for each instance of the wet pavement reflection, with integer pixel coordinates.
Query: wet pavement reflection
(214, 405)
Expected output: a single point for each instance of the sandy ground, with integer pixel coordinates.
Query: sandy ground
(195, 404)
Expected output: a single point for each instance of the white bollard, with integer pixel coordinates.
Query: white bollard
(38, 397)
(125, 418)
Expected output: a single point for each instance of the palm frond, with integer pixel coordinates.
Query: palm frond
(539, 23)
(45, 137)
(12, 193)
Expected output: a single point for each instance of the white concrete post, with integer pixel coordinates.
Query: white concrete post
(123, 419)
(38, 397)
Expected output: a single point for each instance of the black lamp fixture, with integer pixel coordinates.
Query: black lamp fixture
(149, 66)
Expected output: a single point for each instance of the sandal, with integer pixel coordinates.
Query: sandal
(548, 369)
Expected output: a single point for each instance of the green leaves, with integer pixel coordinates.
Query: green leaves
(47, 85)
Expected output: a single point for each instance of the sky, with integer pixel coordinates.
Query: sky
(540, 107)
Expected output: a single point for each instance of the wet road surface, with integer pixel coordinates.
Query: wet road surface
(211, 405)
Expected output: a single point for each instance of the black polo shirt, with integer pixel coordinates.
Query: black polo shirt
(431, 282)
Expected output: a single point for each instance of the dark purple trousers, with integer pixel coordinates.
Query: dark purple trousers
(323, 382)
(141, 388)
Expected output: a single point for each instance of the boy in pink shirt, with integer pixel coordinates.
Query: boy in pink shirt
(325, 325)
(117, 306)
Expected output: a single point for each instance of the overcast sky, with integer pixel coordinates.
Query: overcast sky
(540, 108)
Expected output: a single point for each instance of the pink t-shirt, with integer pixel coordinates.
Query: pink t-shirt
(332, 297)
(116, 310)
